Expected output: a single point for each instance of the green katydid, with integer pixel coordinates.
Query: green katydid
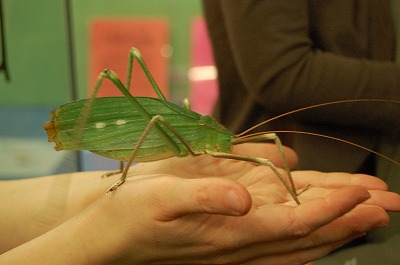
(144, 129)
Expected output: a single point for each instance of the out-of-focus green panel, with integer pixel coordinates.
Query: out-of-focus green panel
(36, 53)
(37, 57)
(36, 43)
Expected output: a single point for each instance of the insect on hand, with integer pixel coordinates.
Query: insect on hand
(145, 129)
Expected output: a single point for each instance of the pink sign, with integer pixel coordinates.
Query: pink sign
(110, 42)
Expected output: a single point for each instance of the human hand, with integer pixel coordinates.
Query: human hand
(169, 220)
(244, 218)
(55, 199)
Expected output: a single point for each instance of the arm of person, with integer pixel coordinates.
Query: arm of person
(163, 219)
(157, 218)
(274, 48)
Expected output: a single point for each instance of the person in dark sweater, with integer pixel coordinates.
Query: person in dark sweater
(279, 55)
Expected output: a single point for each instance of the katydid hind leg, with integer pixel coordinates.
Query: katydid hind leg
(112, 76)
(134, 53)
(262, 161)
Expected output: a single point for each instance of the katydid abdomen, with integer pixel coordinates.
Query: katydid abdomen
(114, 126)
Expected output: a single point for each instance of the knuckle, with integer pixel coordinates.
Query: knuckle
(203, 197)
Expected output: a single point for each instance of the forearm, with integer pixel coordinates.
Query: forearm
(88, 238)
(32, 207)
(283, 68)
(62, 242)
(326, 77)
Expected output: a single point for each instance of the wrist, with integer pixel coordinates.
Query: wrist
(103, 234)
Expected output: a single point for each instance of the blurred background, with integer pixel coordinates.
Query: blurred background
(53, 50)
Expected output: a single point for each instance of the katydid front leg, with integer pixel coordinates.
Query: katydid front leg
(272, 136)
(264, 162)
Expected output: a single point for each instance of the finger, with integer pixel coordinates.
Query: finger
(320, 211)
(357, 222)
(267, 150)
(390, 201)
(337, 180)
(310, 215)
(299, 257)
(205, 195)
(313, 254)
(352, 225)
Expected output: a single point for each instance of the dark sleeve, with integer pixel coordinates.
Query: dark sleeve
(284, 69)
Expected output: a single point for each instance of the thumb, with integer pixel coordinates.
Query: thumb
(205, 196)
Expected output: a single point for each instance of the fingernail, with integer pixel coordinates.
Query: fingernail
(366, 195)
(235, 202)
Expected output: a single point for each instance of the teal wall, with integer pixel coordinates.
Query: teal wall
(36, 42)
(36, 53)
(37, 56)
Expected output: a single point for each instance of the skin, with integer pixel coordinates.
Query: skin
(199, 210)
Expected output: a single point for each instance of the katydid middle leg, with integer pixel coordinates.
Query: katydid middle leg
(262, 161)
